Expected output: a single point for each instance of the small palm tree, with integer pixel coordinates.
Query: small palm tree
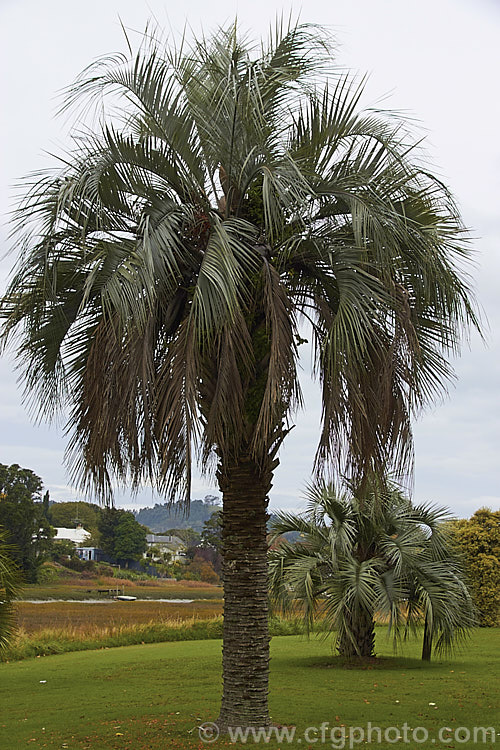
(10, 586)
(358, 557)
(228, 196)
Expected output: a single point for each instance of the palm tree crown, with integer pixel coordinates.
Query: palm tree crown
(358, 557)
(166, 266)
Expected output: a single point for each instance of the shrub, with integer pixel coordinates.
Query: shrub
(200, 570)
(478, 538)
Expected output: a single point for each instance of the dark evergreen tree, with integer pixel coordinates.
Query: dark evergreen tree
(130, 538)
(23, 519)
(121, 536)
(211, 534)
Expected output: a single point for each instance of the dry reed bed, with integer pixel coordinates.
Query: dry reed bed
(32, 618)
(47, 641)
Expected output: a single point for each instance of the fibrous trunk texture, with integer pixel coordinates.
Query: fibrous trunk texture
(246, 631)
(362, 628)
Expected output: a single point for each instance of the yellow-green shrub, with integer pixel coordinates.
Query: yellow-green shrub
(479, 541)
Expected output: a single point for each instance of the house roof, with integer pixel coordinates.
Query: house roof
(77, 536)
(167, 539)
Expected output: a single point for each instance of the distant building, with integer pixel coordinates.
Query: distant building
(171, 545)
(78, 536)
(93, 553)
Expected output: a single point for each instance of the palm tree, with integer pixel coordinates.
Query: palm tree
(376, 554)
(10, 586)
(231, 196)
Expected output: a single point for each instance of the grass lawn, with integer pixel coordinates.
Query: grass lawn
(154, 696)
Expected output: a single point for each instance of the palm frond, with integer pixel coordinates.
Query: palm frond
(10, 587)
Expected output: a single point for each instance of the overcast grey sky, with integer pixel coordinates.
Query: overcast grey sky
(436, 60)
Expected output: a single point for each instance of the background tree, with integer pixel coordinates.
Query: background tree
(211, 534)
(46, 505)
(359, 556)
(14, 478)
(107, 524)
(478, 539)
(22, 518)
(122, 538)
(210, 546)
(61, 550)
(166, 268)
(69, 514)
(189, 536)
(200, 569)
(10, 588)
(130, 538)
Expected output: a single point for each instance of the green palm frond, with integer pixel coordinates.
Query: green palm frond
(10, 587)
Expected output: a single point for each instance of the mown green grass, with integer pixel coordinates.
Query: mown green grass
(155, 696)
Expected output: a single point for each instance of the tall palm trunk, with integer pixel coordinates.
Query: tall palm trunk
(362, 628)
(427, 642)
(245, 657)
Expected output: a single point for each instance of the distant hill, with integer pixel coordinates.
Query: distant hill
(163, 517)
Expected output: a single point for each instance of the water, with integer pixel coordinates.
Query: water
(108, 601)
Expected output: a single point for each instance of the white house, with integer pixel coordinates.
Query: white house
(78, 536)
(174, 546)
